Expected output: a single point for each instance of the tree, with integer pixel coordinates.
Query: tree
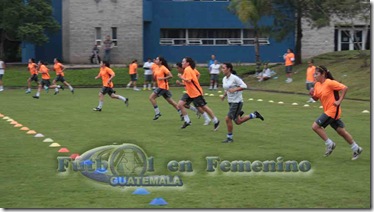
(318, 13)
(26, 20)
(250, 13)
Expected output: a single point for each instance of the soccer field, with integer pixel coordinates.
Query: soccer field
(30, 176)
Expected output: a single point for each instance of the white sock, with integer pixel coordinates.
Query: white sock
(128, 85)
(149, 85)
(354, 146)
(122, 98)
(157, 110)
(206, 117)
(37, 93)
(29, 89)
(187, 119)
(71, 88)
(193, 108)
(215, 120)
(328, 142)
(56, 89)
(144, 86)
(100, 104)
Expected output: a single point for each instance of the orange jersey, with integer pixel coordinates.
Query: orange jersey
(289, 59)
(193, 87)
(325, 92)
(160, 72)
(154, 66)
(132, 68)
(310, 73)
(197, 73)
(58, 69)
(44, 71)
(32, 68)
(105, 74)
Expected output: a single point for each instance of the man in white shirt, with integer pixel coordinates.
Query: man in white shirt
(2, 70)
(234, 87)
(148, 74)
(214, 72)
(265, 74)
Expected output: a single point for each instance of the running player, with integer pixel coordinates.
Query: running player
(59, 69)
(32, 67)
(45, 82)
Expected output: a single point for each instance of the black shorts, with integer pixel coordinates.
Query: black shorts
(199, 101)
(107, 90)
(309, 85)
(234, 110)
(148, 78)
(288, 69)
(60, 78)
(186, 99)
(162, 92)
(34, 77)
(45, 82)
(133, 77)
(325, 120)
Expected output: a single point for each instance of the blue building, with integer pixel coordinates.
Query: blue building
(177, 28)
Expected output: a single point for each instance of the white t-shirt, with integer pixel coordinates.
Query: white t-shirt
(147, 68)
(233, 82)
(266, 72)
(1, 67)
(214, 68)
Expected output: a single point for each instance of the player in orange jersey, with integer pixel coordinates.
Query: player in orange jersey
(133, 67)
(289, 59)
(59, 69)
(45, 82)
(33, 69)
(310, 77)
(331, 94)
(107, 74)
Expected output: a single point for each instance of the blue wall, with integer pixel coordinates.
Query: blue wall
(50, 50)
(194, 14)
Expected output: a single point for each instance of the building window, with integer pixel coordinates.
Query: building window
(352, 38)
(114, 35)
(218, 37)
(98, 36)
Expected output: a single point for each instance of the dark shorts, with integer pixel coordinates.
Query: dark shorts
(133, 77)
(325, 120)
(199, 101)
(214, 77)
(45, 82)
(309, 85)
(148, 78)
(234, 110)
(186, 99)
(60, 78)
(34, 77)
(107, 90)
(288, 69)
(162, 92)
(1, 76)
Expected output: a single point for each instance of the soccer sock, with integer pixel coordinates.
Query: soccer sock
(215, 120)
(186, 118)
(37, 93)
(71, 88)
(206, 117)
(100, 104)
(328, 142)
(144, 86)
(122, 98)
(229, 135)
(28, 89)
(194, 109)
(149, 85)
(157, 110)
(128, 85)
(252, 116)
(354, 146)
(56, 89)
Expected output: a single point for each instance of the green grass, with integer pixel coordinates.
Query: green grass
(30, 179)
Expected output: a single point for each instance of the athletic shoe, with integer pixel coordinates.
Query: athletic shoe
(1, 89)
(311, 100)
(35, 97)
(157, 116)
(258, 115)
(72, 91)
(144, 89)
(228, 140)
(136, 89)
(127, 102)
(62, 87)
(216, 125)
(97, 109)
(207, 122)
(149, 89)
(241, 113)
(27, 92)
(357, 153)
(185, 124)
(331, 148)
(56, 92)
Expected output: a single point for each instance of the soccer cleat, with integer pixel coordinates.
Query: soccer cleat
(182, 118)
(258, 115)
(72, 91)
(56, 92)
(216, 125)
(127, 102)
(157, 116)
(185, 124)
(207, 122)
(27, 92)
(62, 87)
(228, 140)
(97, 109)
(329, 149)
(35, 97)
(357, 153)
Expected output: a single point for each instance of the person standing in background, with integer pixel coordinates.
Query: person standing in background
(289, 59)
(148, 74)
(133, 74)
(310, 78)
(2, 71)
(214, 72)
